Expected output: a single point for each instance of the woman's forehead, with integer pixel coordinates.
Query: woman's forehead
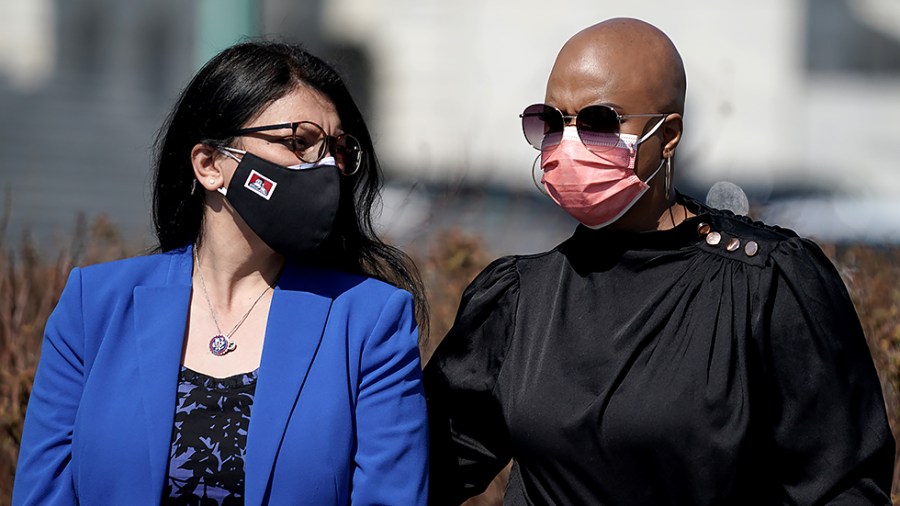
(300, 104)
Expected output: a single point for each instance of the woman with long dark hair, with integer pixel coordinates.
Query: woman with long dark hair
(264, 354)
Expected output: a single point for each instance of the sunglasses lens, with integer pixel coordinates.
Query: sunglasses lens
(542, 126)
(347, 154)
(598, 127)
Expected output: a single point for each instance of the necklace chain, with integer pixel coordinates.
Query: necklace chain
(228, 345)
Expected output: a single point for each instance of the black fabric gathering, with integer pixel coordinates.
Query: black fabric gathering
(661, 368)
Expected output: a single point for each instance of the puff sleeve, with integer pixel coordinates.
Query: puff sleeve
(827, 421)
(469, 439)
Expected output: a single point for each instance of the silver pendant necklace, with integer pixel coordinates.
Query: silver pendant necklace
(221, 344)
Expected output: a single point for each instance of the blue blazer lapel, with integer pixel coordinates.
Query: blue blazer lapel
(160, 319)
(294, 331)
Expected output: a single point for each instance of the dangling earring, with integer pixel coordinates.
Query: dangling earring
(534, 180)
(668, 175)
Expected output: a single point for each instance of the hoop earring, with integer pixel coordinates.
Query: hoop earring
(668, 175)
(534, 179)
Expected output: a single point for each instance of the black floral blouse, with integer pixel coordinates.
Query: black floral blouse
(206, 462)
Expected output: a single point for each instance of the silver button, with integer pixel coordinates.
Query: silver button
(751, 248)
(713, 238)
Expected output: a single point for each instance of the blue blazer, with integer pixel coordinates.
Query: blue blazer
(338, 415)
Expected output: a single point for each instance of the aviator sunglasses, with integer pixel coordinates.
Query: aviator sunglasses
(310, 143)
(598, 126)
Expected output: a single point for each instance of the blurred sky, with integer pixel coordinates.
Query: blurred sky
(794, 100)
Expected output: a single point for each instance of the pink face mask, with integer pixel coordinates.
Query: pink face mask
(594, 188)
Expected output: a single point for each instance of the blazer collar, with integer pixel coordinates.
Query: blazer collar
(297, 318)
(160, 319)
(299, 311)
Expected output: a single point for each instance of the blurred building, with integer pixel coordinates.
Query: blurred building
(79, 120)
(794, 100)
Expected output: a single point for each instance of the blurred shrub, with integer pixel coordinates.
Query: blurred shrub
(30, 284)
(31, 281)
(451, 261)
(872, 276)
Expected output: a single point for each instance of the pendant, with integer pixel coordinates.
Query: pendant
(220, 345)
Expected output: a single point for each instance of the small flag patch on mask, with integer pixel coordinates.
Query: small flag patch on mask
(260, 185)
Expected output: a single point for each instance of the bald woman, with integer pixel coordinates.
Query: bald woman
(667, 353)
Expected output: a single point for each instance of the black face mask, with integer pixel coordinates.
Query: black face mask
(291, 209)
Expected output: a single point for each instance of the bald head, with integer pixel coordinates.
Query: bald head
(619, 60)
(634, 68)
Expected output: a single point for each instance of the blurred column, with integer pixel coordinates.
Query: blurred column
(221, 23)
(27, 42)
(303, 22)
(298, 21)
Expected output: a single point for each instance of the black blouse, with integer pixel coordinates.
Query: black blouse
(720, 362)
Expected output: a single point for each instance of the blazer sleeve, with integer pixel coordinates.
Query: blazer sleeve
(44, 474)
(391, 459)
(829, 430)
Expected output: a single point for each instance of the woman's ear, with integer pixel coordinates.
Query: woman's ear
(205, 161)
(671, 128)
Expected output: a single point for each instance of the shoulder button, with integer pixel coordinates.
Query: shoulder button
(751, 248)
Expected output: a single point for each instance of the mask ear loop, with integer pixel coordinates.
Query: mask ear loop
(229, 152)
(650, 132)
(667, 160)
(540, 187)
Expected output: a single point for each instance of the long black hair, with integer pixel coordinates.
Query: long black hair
(229, 91)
